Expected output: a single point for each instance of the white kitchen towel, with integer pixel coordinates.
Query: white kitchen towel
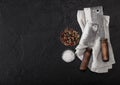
(96, 64)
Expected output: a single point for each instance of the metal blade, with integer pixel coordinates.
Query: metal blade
(101, 28)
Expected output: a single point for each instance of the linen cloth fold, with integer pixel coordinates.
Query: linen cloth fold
(91, 38)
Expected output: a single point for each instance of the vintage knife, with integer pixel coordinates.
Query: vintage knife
(89, 37)
(104, 41)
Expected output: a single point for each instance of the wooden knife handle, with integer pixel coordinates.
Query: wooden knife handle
(86, 58)
(105, 50)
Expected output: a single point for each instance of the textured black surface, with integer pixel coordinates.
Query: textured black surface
(30, 50)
